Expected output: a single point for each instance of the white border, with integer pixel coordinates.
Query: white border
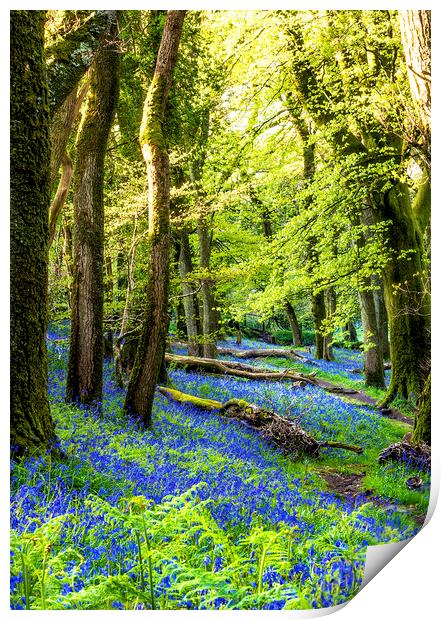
(408, 587)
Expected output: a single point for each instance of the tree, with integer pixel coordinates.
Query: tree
(144, 376)
(84, 380)
(416, 36)
(32, 427)
(370, 142)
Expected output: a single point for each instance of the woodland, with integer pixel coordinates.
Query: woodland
(220, 304)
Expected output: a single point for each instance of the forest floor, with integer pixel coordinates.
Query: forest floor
(200, 512)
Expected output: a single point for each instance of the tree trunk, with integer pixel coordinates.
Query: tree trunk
(181, 324)
(352, 332)
(382, 320)
(407, 298)
(61, 127)
(209, 317)
(331, 306)
(373, 342)
(85, 368)
(236, 369)
(319, 315)
(254, 353)
(128, 280)
(189, 299)
(32, 427)
(422, 430)
(61, 195)
(146, 369)
(373, 353)
(294, 324)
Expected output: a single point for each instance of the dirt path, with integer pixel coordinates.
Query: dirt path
(364, 399)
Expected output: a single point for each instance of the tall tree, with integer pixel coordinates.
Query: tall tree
(416, 36)
(85, 369)
(404, 280)
(142, 384)
(32, 427)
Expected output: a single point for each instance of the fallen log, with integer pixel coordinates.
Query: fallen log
(286, 434)
(254, 353)
(236, 369)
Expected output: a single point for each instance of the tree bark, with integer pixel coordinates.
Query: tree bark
(209, 316)
(146, 369)
(422, 429)
(407, 298)
(61, 195)
(61, 127)
(127, 279)
(382, 320)
(294, 324)
(352, 332)
(253, 353)
(189, 299)
(373, 353)
(85, 367)
(32, 427)
(319, 315)
(236, 369)
(331, 306)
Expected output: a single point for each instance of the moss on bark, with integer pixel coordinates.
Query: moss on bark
(32, 427)
(422, 430)
(85, 368)
(407, 299)
(146, 369)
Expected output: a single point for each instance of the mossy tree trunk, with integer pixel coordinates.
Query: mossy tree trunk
(189, 299)
(32, 427)
(382, 320)
(85, 368)
(407, 297)
(146, 369)
(422, 430)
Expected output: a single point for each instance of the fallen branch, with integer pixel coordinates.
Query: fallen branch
(286, 434)
(253, 353)
(236, 369)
